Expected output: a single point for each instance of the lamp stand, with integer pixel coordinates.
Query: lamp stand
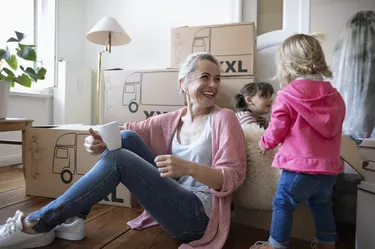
(98, 85)
(99, 74)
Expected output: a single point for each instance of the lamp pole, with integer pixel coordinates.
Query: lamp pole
(99, 74)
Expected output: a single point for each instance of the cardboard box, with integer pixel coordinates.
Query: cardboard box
(138, 94)
(369, 171)
(367, 149)
(350, 154)
(134, 95)
(234, 45)
(56, 159)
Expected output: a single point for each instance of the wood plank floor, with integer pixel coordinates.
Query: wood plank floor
(106, 225)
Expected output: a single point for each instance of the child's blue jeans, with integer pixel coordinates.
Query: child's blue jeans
(293, 188)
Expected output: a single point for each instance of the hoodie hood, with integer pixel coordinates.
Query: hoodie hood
(317, 102)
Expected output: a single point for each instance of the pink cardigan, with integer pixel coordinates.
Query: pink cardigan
(307, 119)
(228, 154)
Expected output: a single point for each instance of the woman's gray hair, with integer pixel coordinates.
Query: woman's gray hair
(191, 64)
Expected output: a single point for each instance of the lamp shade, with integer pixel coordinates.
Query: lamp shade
(99, 34)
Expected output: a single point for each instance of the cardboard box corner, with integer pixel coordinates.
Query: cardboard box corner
(56, 159)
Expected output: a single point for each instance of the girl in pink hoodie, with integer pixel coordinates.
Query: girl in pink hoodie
(306, 122)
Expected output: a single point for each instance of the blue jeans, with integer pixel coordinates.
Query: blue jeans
(175, 208)
(293, 188)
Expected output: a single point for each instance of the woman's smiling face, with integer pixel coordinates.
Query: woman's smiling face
(203, 86)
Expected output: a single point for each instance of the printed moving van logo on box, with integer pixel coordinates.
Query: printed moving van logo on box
(67, 162)
(155, 88)
(211, 40)
(207, 40)
(65, 156)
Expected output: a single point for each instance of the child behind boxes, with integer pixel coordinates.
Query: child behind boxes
(254, 100)
(306, 120)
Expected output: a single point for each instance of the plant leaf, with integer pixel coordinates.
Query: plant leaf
(12, 62)
(12, 39)
(27, 53)
(41, 73)
(23, 45)
(23, 80)
(31, 72)
(20, 35)
(4, 54)
(8, 72)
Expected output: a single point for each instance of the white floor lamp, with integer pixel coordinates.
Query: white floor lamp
(107, 32)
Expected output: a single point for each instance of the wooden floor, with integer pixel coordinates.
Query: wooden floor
(106, 225)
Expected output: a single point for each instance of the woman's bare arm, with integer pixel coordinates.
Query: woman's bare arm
(211, 177)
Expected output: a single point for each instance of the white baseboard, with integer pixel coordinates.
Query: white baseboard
(10, 160)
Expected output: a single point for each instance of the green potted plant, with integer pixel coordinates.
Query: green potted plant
(12, 72)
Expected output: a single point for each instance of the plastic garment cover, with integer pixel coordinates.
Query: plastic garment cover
(354, 74)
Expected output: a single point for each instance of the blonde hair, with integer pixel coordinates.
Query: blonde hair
(301, 55)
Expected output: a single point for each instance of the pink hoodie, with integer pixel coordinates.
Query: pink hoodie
(306, 120)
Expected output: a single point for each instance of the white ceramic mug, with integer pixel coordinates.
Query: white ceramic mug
(111, 135)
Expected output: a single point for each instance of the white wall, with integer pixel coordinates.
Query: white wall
(148, 23)
(270, 16)
(71, 35)
(249, 11)
(20, 106)
(71, 38)
(330, 17)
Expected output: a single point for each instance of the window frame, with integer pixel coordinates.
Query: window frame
(44, 87)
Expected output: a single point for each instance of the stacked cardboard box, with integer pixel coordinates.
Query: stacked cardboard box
(133, 95)
(366, 149)
(350, 155)
(56, 159)
(234, 45)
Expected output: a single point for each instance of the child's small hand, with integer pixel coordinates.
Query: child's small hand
(261, 150)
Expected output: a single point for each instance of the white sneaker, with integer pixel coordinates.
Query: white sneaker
(12, 237)
(72, 229)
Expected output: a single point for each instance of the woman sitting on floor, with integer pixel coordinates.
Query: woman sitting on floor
(181, 166)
